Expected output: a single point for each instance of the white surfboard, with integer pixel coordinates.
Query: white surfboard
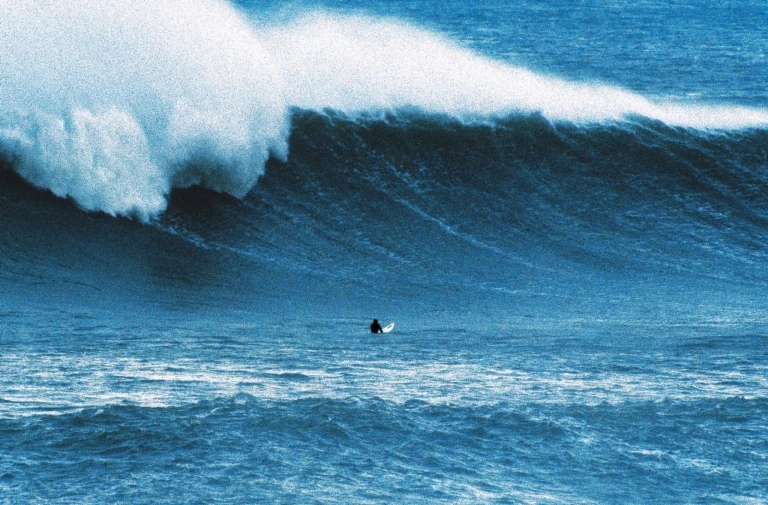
(388, 328)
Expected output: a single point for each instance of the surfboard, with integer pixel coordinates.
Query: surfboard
(388, 328)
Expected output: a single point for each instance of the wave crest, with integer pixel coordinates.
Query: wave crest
(116, 103)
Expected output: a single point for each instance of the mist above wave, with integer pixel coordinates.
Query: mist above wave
(358, 64)
(115, 103)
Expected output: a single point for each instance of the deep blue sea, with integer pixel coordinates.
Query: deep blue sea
(563, 206)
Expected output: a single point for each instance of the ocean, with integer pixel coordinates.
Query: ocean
(563, 206)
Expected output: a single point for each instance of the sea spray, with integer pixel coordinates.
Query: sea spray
(354, 63)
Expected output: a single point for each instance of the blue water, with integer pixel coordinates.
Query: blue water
(563, 208)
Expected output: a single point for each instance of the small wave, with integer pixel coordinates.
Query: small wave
(290, 376)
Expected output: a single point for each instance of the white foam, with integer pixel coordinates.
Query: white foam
(114, 104)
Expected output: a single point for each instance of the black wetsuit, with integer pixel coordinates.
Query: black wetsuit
(376, 327)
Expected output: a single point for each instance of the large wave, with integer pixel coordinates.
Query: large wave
(114, 104)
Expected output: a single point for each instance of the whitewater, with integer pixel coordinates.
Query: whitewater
(115, 105)
(562, 206)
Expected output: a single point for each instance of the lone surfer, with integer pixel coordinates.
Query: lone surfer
(376, 327)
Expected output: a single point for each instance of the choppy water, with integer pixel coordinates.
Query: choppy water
(325, 413)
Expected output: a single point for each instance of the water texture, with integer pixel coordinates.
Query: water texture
(562, 207)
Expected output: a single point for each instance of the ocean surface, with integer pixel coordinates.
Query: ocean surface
(563, 206)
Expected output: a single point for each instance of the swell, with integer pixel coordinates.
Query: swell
(425, 212)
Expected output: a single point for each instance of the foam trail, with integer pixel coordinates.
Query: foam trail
(114, 104)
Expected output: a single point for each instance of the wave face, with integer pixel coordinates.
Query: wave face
(521, 208)
(371, 161)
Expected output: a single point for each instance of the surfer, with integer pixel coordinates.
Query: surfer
(376, 327)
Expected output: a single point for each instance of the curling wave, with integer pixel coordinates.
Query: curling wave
(115, 104)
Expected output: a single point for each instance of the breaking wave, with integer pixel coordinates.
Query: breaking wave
(114, 104)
